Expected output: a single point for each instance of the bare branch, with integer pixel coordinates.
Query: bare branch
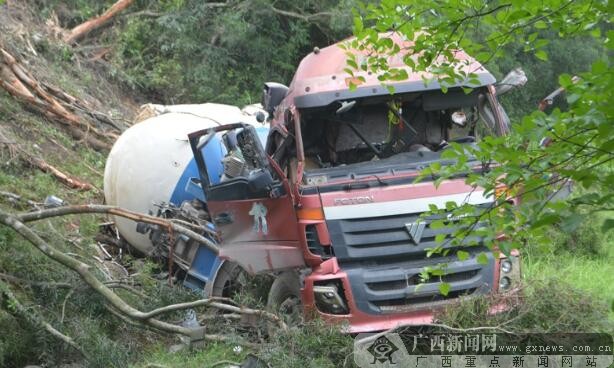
(12, 197)
(115, 303)
(305, 17)
(83, 270)
(111, 210)
(120, 285)
(218, 305)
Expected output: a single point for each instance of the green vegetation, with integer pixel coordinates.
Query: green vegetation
(583, 258)
(215, 353)
(544, 149)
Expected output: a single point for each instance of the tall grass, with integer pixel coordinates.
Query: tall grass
(583, 259)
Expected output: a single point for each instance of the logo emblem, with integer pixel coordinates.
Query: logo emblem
(415, 230)
(354, 200)
(259, 212)
(382, 350)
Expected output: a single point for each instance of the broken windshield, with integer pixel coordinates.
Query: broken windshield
(393, 133)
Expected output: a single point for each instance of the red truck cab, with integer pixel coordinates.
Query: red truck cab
(331, 206)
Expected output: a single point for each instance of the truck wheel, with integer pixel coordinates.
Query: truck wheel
(229, 280)
(285, 298)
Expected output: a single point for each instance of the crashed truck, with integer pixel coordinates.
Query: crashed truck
(327, 201)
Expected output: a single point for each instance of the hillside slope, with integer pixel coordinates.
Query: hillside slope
(28, 141)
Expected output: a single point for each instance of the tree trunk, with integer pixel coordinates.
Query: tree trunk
(88, 26)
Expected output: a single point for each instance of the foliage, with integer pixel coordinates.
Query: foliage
(593, 275)
(533, 310)
(194, 52)
(579, 141)
(570, 55)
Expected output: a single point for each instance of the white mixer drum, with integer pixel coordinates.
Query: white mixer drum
(152, 161)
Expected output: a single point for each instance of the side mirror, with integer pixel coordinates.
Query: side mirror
(514, 79)
(260, 117)
(272, 95)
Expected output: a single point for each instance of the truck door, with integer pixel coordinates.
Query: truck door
(250, 203)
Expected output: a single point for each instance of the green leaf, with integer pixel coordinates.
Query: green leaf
(438, 272)
(444, 288)
(541, 55)
(358, 25)
(437, 224)
(482, 258)
(462, 255)
(565, 80)
(352, 63)
(548, 219)
(599, 67)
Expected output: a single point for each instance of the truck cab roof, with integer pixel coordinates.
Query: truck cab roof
(321, 77)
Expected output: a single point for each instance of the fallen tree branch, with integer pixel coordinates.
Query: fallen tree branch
(68, 295)
(90, 25)
(120, 285)
(116, 211)
(88, 277)
(218, 305)
(12, 197)
(41, 164)
(53, 103)
(65, 179)
(115, 303)
(140, 324)
(82, 269)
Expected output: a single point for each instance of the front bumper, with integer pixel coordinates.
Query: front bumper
(356, 320)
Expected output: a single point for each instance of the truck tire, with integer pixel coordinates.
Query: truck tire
(227, 281)
(285, 297)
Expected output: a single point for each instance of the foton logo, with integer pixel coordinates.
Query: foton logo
(354, 200)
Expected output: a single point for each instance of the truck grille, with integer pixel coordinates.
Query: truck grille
(383, 263)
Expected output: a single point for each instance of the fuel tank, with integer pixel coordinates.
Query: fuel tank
(151, 162)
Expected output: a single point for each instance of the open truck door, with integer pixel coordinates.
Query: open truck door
(250, 203)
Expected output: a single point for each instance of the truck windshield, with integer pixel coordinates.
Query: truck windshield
(393, 133)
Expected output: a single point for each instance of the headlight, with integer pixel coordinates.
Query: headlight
(504, 283)
(506, 265)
